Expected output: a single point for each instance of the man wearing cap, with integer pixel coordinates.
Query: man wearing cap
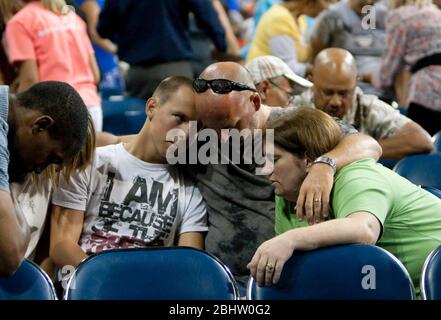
(276, 83)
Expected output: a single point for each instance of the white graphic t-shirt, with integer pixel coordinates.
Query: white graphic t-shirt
(131, 203)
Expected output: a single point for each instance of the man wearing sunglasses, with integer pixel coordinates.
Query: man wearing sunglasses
(277, 84)
(335, 92)
(241, 203)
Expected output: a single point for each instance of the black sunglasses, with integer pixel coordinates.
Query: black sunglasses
(219, 86)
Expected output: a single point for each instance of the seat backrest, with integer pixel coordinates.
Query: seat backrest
(424, 170)
(437, 142)
(430, 282)
(29, 282)
(123, 116)
(346, 272)
(433, 191)
(152, 274)
(388, 163)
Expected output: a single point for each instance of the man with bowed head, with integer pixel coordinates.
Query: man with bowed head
(241, 203)
(46, 124)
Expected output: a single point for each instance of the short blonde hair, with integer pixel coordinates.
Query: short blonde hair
(56, 6)
(306, 132)
(8, 7)
(393, 4)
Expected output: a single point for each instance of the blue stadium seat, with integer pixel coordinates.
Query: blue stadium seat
(423, 170)
(177, 273)
(437, 142)
(430, 284)
(346, 272)
(434, 191)
(123, 115)
(388, 163)
(403, 111)
(29, 282)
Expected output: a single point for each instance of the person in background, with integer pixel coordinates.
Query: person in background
(153, 37)
(276, 83)
(47, 41)
(335, 92)
(7, 9)
(413, 45)
(105, 50)
(282, 32)
(359, 27)
(202, 45)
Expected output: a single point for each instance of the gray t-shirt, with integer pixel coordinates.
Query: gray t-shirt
(4, 152)
(341, 27)
(240, 207)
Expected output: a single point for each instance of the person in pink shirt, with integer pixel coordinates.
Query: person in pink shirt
(46, 41)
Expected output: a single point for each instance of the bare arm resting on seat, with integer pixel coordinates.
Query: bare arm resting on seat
(66, 228)
(14, 235)
(359, 227)
(192, 239)
(410, 138)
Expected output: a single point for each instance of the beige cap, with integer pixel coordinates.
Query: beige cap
(268, 67)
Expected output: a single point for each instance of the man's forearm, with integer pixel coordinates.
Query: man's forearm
(14, 236)
(355, 147)
(410, 140)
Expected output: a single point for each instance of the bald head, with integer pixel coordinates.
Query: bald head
(335, 79)
(228, 70)
(333, 61)
(236, 109)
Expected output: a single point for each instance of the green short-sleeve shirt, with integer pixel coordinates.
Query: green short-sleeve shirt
(410, 216)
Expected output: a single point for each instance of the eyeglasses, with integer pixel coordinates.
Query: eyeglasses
(221, 86)
(290, 94)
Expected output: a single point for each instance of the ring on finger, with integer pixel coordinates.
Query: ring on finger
(269, 267)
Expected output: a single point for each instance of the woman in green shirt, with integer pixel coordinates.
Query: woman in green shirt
(369, 203)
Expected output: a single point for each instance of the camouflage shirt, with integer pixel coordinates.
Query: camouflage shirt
(369, 115)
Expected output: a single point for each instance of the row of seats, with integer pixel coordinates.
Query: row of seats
(437, 142)
(422, 169)
(349, 272)
(123, 115)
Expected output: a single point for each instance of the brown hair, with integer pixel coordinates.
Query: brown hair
(56, 6)
(306, 132)
(7, 9)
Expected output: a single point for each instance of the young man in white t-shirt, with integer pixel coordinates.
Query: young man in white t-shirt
(130, 196)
